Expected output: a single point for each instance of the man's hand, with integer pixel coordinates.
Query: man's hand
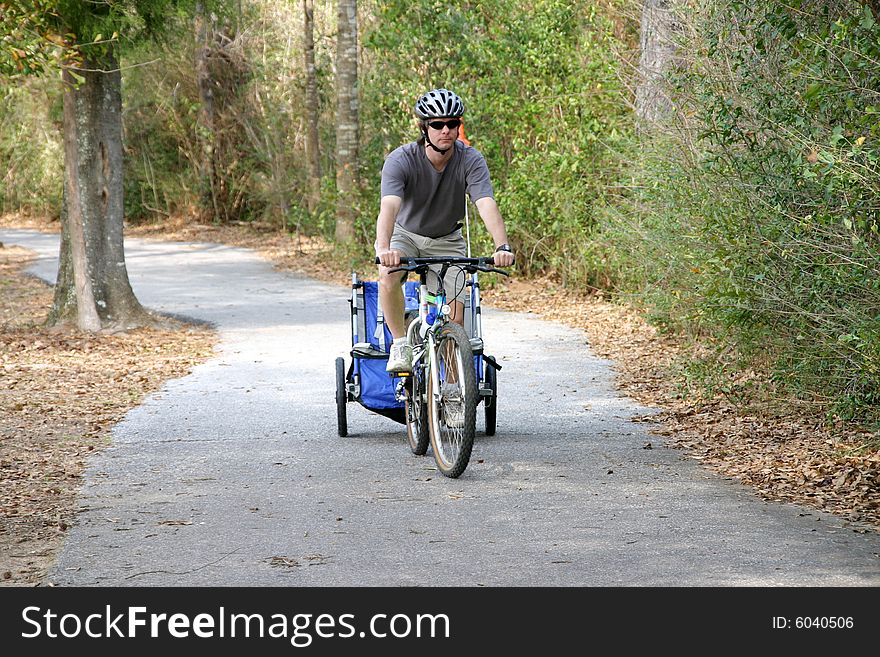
(503, 258)
(388, 257)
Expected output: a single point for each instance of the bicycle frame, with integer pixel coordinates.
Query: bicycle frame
(428, 324)
(444, 383)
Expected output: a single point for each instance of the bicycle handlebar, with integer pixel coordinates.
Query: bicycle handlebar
(469, 264)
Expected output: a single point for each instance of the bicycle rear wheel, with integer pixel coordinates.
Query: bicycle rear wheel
(417, 412)
(452, 400)
(415, 408)
(416, 415)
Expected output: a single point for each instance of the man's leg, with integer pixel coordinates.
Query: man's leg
(390, 285)
(391, 301)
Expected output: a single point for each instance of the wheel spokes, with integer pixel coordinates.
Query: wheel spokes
(450, 373)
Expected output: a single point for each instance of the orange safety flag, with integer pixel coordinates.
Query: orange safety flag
(461, 136)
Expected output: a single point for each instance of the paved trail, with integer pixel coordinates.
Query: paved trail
(234, 475)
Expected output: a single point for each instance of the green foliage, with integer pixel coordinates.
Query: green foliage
(38, 35)
(30, 41)
(30, 148)
(757, 220)
(159, 178)
(751, 222)
(543, 104)
(245, 166)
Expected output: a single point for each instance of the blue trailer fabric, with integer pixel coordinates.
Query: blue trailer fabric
(377, 387)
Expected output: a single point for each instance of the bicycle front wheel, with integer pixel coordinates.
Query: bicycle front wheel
(452, 400)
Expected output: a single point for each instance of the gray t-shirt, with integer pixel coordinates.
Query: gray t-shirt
(433, 201)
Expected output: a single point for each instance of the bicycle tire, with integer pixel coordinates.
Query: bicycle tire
(416, 417)
(452, 358)
(341, 399)
(490, 403)
(415, 410)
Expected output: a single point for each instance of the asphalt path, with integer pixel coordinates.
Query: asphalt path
(234, 474)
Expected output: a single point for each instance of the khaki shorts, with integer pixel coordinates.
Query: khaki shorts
(412, 245)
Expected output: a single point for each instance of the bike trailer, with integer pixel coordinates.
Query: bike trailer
(366, 381)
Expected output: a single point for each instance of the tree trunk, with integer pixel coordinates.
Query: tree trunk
(222, 74)
(658, 53)
(346, 119)
(208, 176)
(93, 291)
(313, 149)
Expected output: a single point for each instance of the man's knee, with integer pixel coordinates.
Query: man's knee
(390, 282)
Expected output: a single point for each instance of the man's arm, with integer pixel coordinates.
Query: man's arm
(389, 206)
(491, 216)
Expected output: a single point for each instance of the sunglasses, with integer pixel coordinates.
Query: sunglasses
(452, 124)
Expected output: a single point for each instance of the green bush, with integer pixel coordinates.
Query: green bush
(31, 149)
(755, 220)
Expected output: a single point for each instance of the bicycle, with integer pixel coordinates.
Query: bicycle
(441, 395)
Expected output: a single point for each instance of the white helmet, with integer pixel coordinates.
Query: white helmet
(439, 103)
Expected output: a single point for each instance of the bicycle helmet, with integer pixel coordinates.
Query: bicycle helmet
(439, 103)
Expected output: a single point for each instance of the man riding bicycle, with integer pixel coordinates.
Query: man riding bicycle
(422, 206)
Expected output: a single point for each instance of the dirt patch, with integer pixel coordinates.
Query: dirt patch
(61, 393)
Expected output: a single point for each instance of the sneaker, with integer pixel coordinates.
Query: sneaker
(400, 358)
(453, 406)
